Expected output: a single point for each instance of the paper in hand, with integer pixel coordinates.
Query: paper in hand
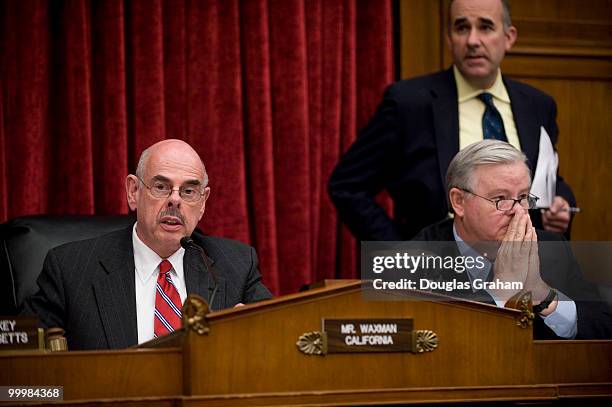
(545, 178)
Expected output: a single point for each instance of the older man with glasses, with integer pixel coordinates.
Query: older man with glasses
(488, 186)
(128, 287)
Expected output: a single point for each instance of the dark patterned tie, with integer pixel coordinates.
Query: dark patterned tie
(167, 302)
(492, 123)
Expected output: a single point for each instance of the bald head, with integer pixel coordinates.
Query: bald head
(170, 147)
(506, 19)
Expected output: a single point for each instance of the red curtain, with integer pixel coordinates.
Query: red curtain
(269, 92)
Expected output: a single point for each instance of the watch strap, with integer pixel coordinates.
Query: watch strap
(544, 304)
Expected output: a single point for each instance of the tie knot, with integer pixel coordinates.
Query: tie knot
(165, 266)
(487, 98)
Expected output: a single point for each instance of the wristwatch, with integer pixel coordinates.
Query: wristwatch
(544, 304)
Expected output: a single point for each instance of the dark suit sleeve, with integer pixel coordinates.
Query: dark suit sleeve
(594, 318)
(593, 315)
(48, 302)
(362, 173)
(254, 289)
(563, 189)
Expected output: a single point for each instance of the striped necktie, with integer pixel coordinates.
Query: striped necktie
(492, 123)
(167, 302)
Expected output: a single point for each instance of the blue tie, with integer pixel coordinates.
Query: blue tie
(492, 123)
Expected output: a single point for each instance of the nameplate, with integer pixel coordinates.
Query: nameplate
(368, 335)
(20, 333)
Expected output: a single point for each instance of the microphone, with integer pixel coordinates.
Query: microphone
(187, 242)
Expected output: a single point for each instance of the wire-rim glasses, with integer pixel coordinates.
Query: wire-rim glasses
(526, 202)
(161, 189)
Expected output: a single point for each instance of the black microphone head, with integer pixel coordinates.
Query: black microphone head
(186, 242)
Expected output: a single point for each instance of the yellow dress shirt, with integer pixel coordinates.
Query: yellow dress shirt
(471, 110)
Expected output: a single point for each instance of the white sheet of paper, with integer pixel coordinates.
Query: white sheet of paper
(545, 178)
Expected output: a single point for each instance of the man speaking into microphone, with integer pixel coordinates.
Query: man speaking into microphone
(128, 286)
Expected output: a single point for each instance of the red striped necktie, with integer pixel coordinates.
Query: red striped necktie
(167, 302)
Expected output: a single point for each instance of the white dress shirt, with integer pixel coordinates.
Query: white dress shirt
(147, 262)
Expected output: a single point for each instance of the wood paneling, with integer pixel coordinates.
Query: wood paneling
(92, 375)
(249, 357)
(585, 150)
(259, 341)
(564, 47)
(421, 44)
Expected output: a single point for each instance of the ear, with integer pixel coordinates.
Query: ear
(457, 201)
(131, 189)
(511, 34)
(203, 203)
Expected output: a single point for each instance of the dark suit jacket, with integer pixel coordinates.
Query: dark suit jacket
(88, 287)
(560, 270)
(407, 147)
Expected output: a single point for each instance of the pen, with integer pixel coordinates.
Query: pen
(570, 209)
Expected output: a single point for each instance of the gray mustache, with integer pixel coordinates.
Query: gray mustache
(172, 211)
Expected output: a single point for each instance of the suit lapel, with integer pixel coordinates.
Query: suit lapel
(446, 121)
(115, 293)
(444, 233)
(526, 121)
(198, 279)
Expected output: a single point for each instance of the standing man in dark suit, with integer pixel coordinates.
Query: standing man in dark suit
(423, 122)
(488, 186)
(128, 286)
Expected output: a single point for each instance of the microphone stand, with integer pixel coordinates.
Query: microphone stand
(187, 242)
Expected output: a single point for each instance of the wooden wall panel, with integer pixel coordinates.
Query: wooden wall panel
(585, 150)
(421, 44)
(564, 47)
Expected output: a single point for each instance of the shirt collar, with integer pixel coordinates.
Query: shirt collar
(468, 251)
(465, 91)
(464, 248)
(146, 261)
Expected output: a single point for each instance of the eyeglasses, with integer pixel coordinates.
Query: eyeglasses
(527, 202)
(160, 189)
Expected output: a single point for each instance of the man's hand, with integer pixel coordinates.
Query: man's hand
(557, 217)
(534, 283)
(512, 261)
(518, 260)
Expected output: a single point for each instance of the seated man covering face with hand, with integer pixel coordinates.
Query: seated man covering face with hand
(128, 286)
(488, 187)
